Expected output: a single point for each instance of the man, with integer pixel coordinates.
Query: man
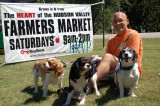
(125, 38)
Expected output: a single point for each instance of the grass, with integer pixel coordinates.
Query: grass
(16, 82)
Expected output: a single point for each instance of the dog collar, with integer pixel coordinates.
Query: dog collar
(126, 68)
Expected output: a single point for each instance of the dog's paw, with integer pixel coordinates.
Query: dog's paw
(81, 103)
(121, 96)
(66, 104)
(60, 92)
(35, 91)
(98, 94)
(44, 96)
(133, 95)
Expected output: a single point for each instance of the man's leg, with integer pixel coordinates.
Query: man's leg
(106, 66)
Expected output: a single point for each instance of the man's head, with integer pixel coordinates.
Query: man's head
(120, 22)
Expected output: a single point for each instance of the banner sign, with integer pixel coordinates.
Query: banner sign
(36, 31)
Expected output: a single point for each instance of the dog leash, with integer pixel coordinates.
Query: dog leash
(123, 43)
(64, 64)
(128, 36)
(2, 64)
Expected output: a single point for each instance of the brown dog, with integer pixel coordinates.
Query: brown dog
(51, 71)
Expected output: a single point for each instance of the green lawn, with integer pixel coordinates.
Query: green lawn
(16, 82)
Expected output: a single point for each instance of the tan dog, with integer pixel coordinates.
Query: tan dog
(51, 71)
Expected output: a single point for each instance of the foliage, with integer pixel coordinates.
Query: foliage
(143, 14)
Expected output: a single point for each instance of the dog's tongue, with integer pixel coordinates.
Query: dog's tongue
(127, 59)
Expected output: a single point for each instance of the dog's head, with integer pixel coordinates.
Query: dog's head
(53, 64)
(128, 56)
(83, 65)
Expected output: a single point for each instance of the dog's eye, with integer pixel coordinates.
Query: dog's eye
(84, 62)
(130, 50)
(87, 61)
(123, 51)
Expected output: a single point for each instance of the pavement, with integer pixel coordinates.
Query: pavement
(143, 35)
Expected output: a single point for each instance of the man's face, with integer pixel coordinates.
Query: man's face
(120, 22)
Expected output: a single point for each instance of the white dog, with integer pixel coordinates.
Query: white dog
(51, 71)
(128, 75)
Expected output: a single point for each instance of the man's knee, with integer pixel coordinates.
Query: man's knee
(108, 57)
(111, 60)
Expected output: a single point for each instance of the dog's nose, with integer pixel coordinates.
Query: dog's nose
(88, 65)
(126, 55)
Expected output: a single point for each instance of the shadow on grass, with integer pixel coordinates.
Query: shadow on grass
(112, 93)
(62, 99)
(35, 97)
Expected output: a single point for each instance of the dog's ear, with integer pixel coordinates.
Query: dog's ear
(59, 69)
(135, 56)
(75, 69)
(79, 61)
(77, 64)
(120, 55)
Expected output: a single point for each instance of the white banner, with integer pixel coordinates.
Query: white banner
(36, 31)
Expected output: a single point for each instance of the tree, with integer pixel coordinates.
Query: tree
(142, 14)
